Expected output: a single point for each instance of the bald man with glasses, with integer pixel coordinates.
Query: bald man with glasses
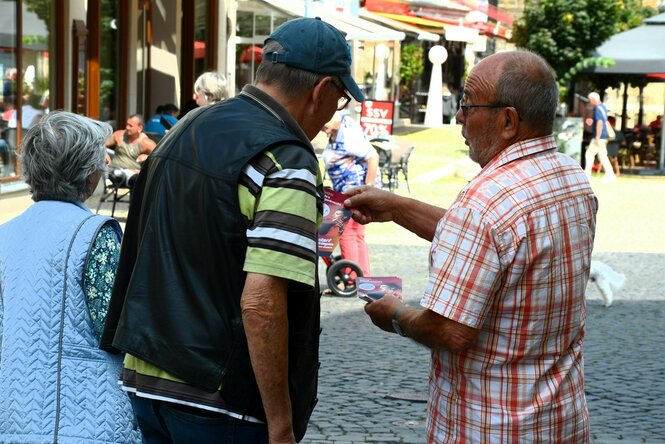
(504, 310)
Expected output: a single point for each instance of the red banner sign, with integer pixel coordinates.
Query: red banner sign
(376, 117)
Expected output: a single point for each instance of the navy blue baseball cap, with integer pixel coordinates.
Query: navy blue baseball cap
(316, 46)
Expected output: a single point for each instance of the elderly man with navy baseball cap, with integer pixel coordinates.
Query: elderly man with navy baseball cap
(315, 46)
(216, 299)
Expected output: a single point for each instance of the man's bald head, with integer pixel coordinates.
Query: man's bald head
(526, 82)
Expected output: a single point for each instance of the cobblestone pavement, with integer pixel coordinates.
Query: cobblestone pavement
(363, 369)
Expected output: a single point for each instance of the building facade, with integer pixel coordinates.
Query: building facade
(109, 59)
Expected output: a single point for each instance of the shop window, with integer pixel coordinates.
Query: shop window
(248, 58)
(35, 57)
(200, 37)
(109, 61)
(25, 65)
(254, 22)
(8, 72)
(263, 25)
(79, 49)
(277, 20)
(245, 24)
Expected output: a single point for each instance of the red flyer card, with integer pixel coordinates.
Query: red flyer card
(335, 216)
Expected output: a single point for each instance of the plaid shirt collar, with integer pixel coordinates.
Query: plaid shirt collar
(519, 150)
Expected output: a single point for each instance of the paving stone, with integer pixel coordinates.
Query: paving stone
(361, 365)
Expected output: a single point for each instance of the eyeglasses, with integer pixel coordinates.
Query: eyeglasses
(465, 108)
(344, 99)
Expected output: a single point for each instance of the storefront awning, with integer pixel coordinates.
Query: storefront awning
(418, 21)
(438, 19)
(420, 33)
(355, 28)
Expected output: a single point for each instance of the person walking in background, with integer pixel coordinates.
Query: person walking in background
(504, 310)
(449, 106)
(599, 136)
(216, 303)
(351, 161)
(57, 265)
(131, 147)
(163, 120)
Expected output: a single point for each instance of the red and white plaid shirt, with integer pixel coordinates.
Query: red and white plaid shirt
(511, 257)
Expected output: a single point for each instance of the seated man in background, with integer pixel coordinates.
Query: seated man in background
(131, 147)
(163, 120)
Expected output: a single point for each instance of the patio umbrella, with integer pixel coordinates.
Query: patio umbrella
(252, 53)
(199, 49)
(637, 51)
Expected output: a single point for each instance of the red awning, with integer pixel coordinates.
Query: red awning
(438, 17)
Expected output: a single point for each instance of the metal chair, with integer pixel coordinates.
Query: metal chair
(393, 158)
(403, 166)
(385, 169)
(154, 136)
(116, 194)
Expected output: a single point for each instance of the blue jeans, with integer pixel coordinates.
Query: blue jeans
(166, 423)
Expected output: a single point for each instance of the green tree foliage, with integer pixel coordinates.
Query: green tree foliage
(42, 8)
(565, 32)
(631, 14)
(411, 66)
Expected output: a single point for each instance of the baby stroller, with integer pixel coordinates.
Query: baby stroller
(341, 275)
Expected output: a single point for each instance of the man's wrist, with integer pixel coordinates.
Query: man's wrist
(395, 321)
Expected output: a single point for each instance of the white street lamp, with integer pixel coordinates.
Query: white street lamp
(434, 113)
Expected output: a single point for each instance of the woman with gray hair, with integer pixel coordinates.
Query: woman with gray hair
(57, 267)
(209, 88)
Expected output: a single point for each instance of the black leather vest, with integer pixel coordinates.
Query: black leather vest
(176, 299)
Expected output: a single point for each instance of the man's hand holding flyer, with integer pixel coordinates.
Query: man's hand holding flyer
(375, 287)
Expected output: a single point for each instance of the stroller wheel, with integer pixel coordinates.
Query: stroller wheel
(341, 277)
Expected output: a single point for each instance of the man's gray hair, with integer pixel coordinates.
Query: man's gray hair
(527, 83)
(213, 86)
(60, 153)
(139, 117)
(291, 81)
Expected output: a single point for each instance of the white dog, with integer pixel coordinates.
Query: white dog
(606, 280)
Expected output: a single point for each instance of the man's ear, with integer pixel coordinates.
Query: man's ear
(510, 122)
(317, 95)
